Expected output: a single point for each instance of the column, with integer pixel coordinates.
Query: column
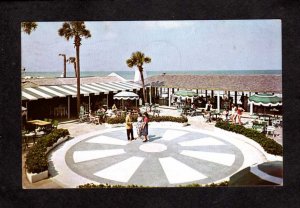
(235, 97)
(69, 107)
(218, 101)
(150, 94)
(169, 92)
(107, 100)
(206, 95)
(89, 102)
(26, 111)
(251, 108)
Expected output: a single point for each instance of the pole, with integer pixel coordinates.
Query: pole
(251, 108)
(218, 101)
(69, 107)
(89, 102)
(107, 100)
(169, 92)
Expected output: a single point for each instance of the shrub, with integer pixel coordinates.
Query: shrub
(92, 185)
(36, 160)
(121, 119)
(269, 145)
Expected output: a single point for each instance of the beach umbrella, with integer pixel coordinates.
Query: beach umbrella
(268, 173)
(267, 100)
(124, 95)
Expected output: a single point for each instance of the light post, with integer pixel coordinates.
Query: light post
(65, 66)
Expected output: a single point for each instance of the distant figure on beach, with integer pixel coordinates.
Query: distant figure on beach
(145, 127)
(233, 113)
(240, 110)
(129, 127)
(139, 125)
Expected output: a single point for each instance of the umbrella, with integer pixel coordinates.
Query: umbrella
(265, 100)
(126, 96)
(268, 173)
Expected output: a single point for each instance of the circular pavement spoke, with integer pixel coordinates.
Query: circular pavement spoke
(173, 156)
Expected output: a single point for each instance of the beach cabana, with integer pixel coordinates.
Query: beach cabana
(266, 100)
(124, 95)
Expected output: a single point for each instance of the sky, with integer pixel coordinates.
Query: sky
(172, 45)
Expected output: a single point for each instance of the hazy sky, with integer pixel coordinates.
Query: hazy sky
(172, 45)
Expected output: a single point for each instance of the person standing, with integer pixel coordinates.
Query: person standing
(208, 108)
(139, 125)
(233, 113)
(129, 127)
(240, 110)
(145, 127)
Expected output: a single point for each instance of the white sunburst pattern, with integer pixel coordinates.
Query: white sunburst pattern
(176, 157)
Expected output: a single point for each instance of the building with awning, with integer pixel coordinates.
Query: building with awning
(218, 85)
(58, 95)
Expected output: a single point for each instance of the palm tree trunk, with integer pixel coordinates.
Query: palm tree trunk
(143, 84)
(77, 45)
(65, 66)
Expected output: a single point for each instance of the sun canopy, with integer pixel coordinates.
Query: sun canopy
(126, 96)
(265, 100)
(186, 93)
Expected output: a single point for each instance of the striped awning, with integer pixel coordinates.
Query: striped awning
(48, 92)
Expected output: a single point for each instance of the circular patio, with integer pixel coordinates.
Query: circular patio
(174, 156)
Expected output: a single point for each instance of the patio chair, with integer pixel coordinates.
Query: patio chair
(55, 124)
(270, 129)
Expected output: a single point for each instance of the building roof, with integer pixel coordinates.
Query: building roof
(246, 83)
(69, 81)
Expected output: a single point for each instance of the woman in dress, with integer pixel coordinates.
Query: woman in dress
(145, 127)
(139, 125)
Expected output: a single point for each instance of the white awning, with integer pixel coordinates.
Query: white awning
(48, 92)
(126, 96)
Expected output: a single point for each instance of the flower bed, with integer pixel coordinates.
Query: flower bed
(36, 160)
(269, 145)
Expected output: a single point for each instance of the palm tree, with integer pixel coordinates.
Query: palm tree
(28, 27)
(138, 59)
(77, 30)
(72, 60)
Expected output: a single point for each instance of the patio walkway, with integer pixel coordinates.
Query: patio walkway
(175, 155)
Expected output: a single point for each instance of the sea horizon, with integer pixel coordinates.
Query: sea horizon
(130, 74)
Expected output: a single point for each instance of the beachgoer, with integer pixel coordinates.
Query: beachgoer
(233, 113)
(145, 127)
(139, 125)
(129, 127)
(208, 108)
(226, 113)
(240, 110)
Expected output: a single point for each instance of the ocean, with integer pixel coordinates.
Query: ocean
(130, 74)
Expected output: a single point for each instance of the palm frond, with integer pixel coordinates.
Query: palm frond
(129, 63)
(28, 27)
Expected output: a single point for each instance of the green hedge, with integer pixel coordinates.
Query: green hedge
(121, 119)
(91, 185)
(269, 145)
(36, 160)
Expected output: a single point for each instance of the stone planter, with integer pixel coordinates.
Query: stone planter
(35, 177)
